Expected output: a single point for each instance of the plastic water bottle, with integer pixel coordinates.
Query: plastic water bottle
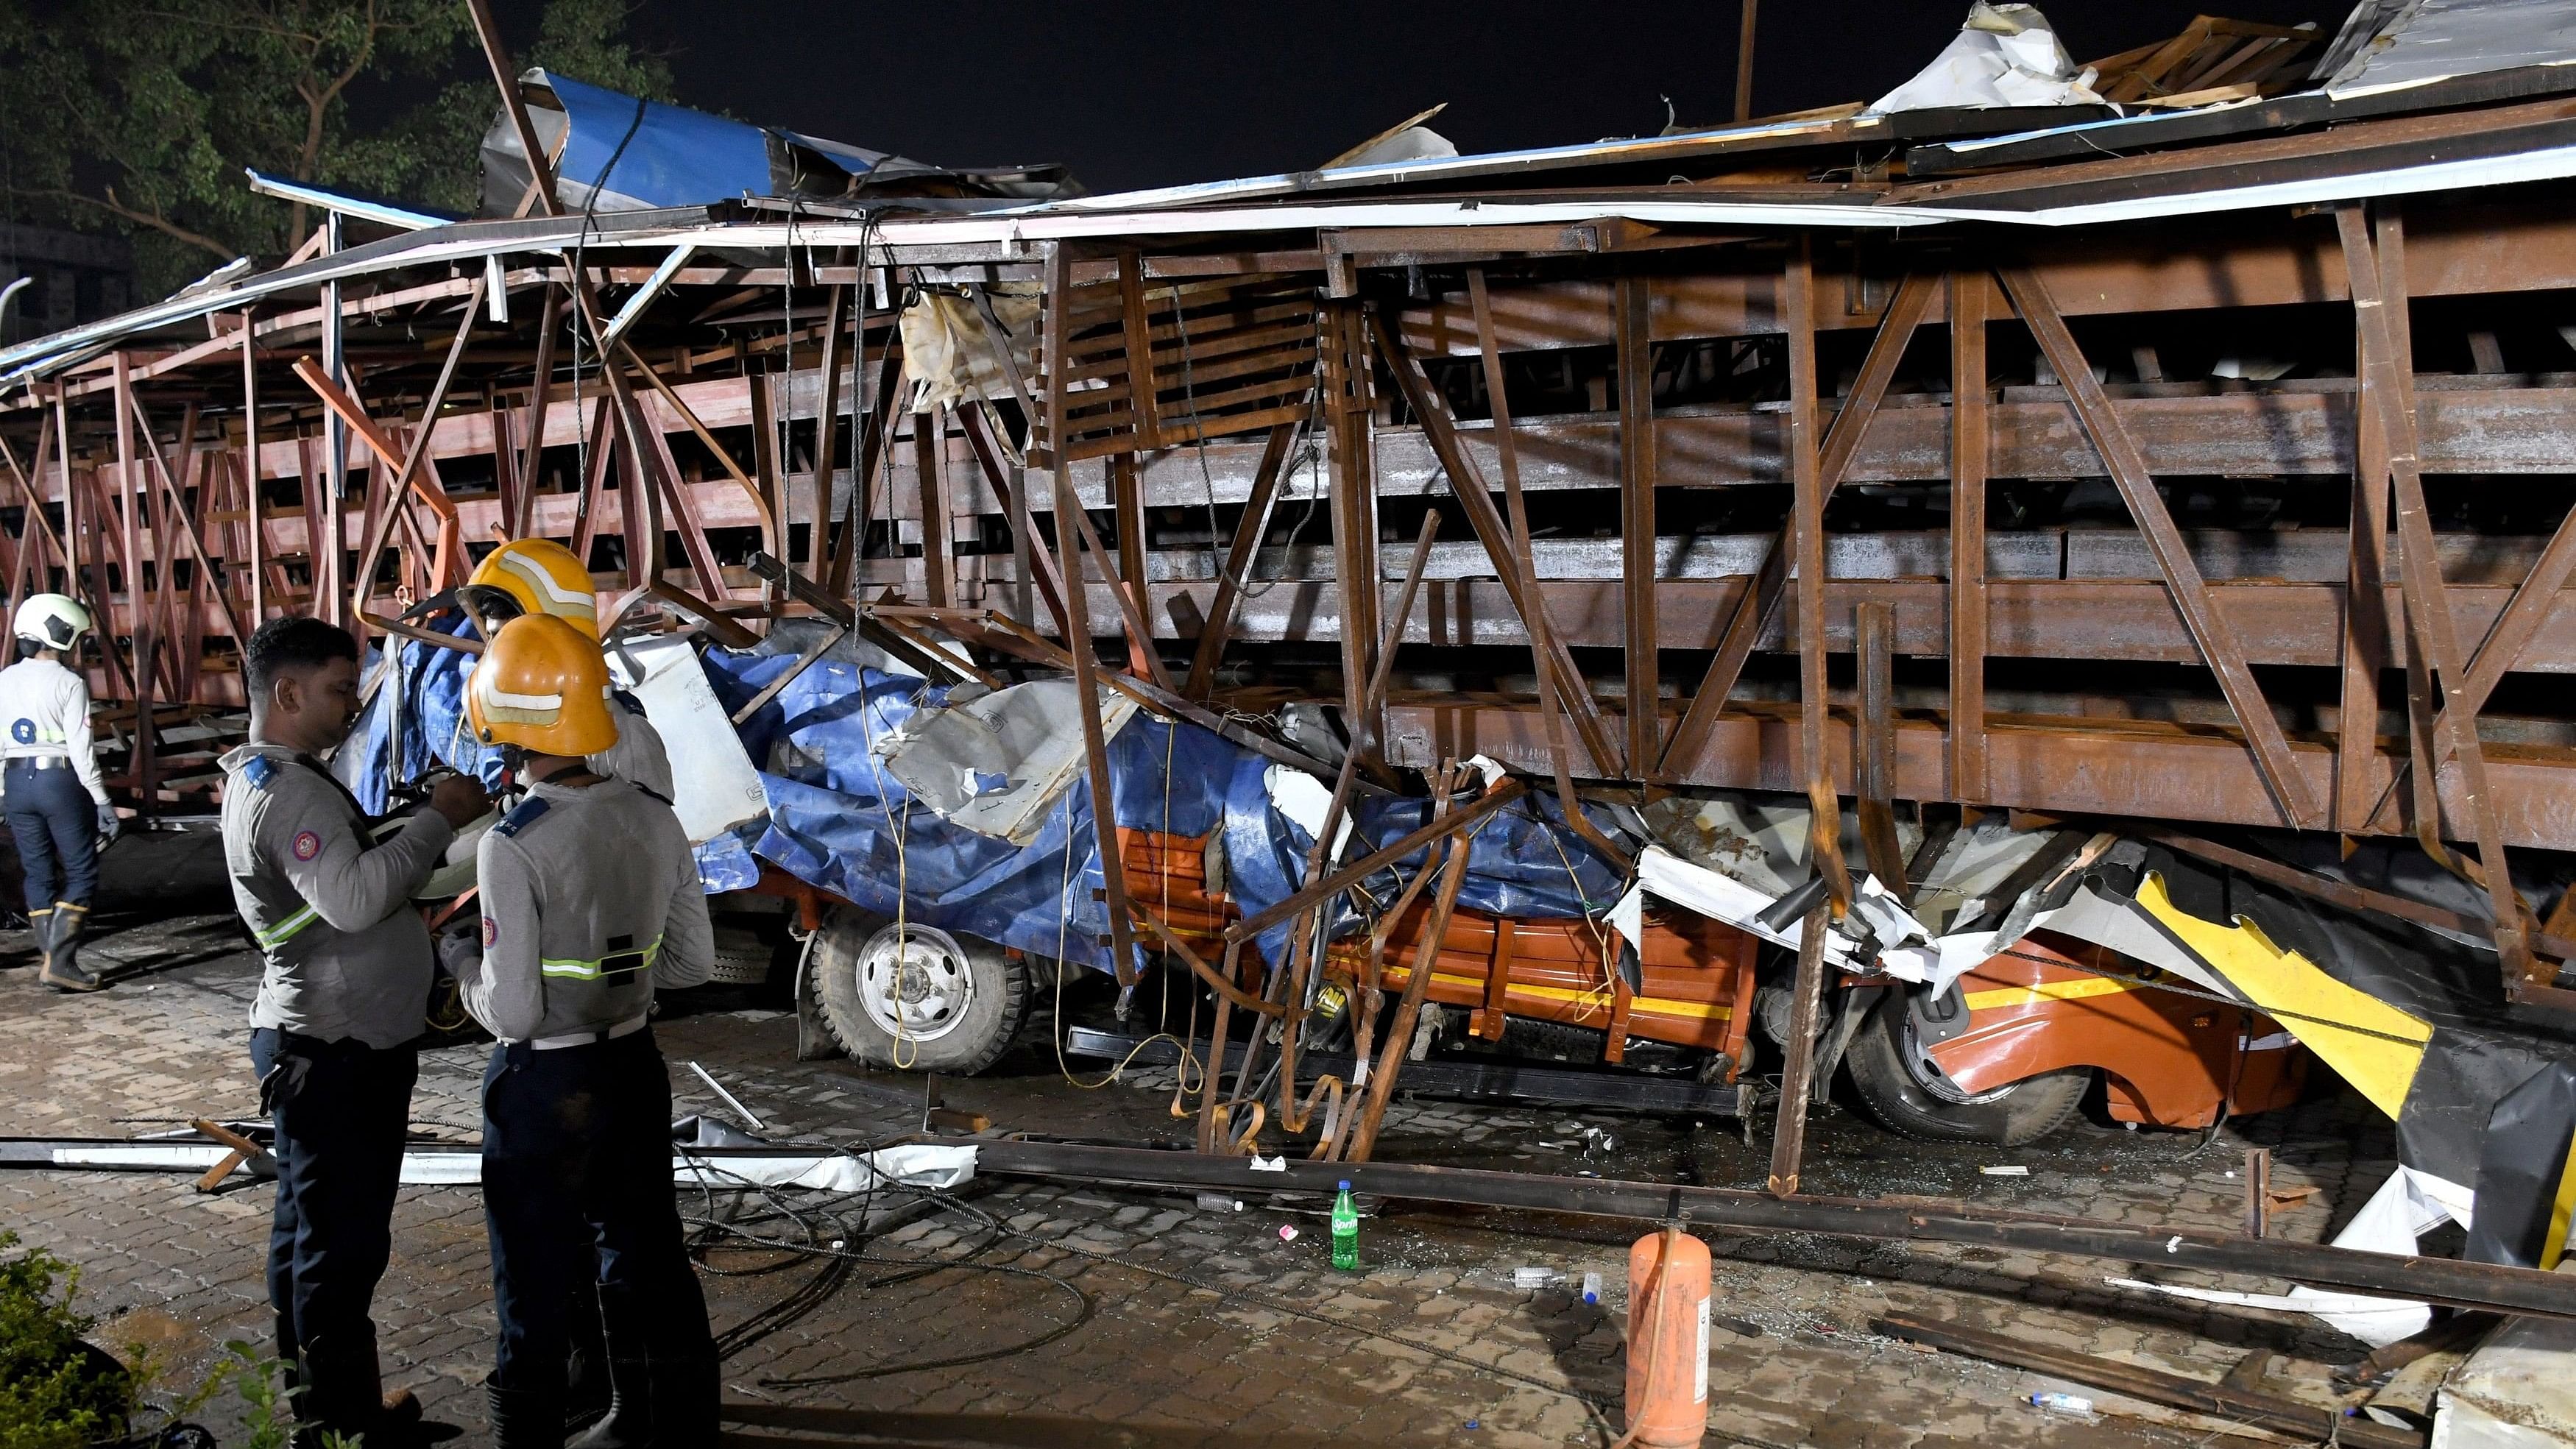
(1592, 1288)
(1346, 1232)
(2062, 1403)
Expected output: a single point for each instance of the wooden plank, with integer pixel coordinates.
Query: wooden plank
(2218, 643)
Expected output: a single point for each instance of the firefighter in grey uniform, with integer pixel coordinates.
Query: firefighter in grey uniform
(56, 805)
(342, 996)
(590, 901)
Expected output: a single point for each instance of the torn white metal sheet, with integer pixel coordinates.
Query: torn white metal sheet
(995, 763)
(719, 789)
(2390, 45)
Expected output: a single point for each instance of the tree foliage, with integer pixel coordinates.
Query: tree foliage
(54, 1393)
(139, 116)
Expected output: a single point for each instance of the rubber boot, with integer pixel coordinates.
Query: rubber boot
(40, 927)
(62, 952)
(339, 1394)
(525, 1420)
(628, 1423)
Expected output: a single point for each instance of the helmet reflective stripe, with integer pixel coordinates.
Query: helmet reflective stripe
(544, 583)
(285, 930)
(631, 960)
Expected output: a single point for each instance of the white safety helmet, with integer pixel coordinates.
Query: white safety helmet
(51, 621)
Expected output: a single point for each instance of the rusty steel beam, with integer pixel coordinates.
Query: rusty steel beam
(1757, 611)
(2219, 644)
(1636, 372)
(1095, 745)
(1969, 293)
(2053, 765)
(1468, 487)
(2526, 245)
(1216, 626)
(2379, 289)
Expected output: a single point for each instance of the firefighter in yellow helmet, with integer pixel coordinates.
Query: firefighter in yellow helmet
(540, 576)
(590, 902)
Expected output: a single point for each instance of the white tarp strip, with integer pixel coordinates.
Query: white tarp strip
(2406, 1206)
(920, 1164)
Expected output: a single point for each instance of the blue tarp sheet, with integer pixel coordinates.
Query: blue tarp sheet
(838, 821)
(677, 157)
(427, 694)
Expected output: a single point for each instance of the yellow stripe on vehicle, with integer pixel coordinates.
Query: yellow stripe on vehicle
(1655, 1005)
(2349, 1029)
(2074, 988)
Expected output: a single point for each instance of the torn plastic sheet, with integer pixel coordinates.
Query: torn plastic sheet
(948, 347)
(2408, 1205)
(930, 1165)
(2004, 55)
(841, 821)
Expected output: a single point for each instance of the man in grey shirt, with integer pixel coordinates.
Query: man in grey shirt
(342, 996)
(591, 902)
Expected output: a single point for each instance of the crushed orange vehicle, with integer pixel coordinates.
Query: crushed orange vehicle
(2025, 1036)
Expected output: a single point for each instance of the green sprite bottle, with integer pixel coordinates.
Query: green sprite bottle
(1346, 1232)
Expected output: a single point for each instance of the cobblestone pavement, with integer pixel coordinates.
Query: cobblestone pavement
(1163, 1324)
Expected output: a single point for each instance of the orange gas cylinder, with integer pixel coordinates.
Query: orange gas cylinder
(1667, 1341)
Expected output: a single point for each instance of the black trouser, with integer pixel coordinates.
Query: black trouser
(341, 1110)
(56, 826)
(577, 1153)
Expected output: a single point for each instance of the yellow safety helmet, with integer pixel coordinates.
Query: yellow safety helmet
(533, 576)
(541, 686)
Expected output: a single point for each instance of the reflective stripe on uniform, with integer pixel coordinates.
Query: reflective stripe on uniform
(590, 970)
(283, 931)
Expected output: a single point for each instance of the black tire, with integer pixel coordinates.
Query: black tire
(971, 995)
(1897, 1100)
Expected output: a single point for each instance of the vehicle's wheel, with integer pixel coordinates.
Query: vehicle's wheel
(1903, 1092)
(916, 998)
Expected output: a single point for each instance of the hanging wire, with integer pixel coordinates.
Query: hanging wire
(1302, 452)
(580, 245)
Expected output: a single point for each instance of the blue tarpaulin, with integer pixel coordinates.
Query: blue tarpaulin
(839, 821)
(426, 696)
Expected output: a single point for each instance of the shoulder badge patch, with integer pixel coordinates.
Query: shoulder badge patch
(260, 770)
(307, 845)
(491, 932)
(519, 819)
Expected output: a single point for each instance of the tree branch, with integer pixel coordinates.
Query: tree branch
(152, 219)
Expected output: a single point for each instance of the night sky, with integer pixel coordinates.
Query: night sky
(1143, 94)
